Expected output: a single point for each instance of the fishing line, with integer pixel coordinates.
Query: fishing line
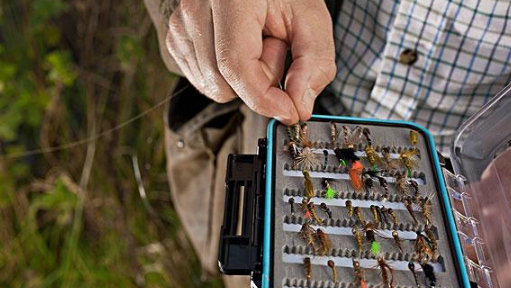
(92, 138)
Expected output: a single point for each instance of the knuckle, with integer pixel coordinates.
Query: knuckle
(226, 62)
(188, 9)
(329, 70)
(175, 23)
(218, 89)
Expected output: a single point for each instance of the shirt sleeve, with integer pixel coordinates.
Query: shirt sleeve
(160, 11)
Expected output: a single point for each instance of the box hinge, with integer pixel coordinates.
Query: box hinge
(468, 229)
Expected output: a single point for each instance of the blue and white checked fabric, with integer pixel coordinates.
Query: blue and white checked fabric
(464, 58)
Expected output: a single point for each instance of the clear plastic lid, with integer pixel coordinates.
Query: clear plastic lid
(480, 191)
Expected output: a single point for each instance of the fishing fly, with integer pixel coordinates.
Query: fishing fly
(372, 156)
(347, 157)
(386, 271)
(359, 274)
(308, 268)
(313, 213)
(309, 189)
(375, 213)
(385, 186)
(433, 243)
(414, 137)
(409, 159)
(393, 216)
(325, 163)
(385, 151)
(367, 179)
(409, 207)
(422, 248)
(358, 239)
(301, 149)
(325, 242)
(429, 272)
(307, 233)
(350, 208)
(330, 192)
(326, 209)
(425, 205)
(402, 184)
(358, 214)
(333, 135)
(331, 264)
(383, 214)
(411, 267)
(398, 240)
(370, 236)
(292, 204)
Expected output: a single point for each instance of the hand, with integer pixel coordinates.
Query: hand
(237, 47)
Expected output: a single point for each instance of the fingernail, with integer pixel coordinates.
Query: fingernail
(280, 119)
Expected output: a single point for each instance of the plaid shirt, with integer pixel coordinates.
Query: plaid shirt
(463, 58)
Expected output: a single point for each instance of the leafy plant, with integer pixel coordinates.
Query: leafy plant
(71, 214)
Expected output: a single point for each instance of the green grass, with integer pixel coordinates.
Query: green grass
(74, 217)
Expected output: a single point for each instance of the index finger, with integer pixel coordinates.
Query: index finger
(239, 48)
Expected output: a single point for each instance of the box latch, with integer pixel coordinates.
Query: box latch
(241, 235)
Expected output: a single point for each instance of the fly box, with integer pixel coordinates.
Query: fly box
(351, 202)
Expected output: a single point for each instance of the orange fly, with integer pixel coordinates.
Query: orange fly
(355, 173)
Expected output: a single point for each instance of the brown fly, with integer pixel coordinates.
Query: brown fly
(415, 187)
(313, 213)
(385, 186)
(326, 209)
(333, 135)
(301, 149)
(373, 157)
(358, 214)
(305, 205)
(393, 216)
(308, 268)
(402, 184)
(387, 274)
(293, 132)
(385, 152)
(307, 233)
(408, 204)
(432, 242)
(422, 248)
(359, 240)
(383, 214)
(359, 274)
(331, 264)
(375, 213)
(350, 208)
(309, 189)
(325, 245)
(398, 241)
(367, 179)
(426, 208)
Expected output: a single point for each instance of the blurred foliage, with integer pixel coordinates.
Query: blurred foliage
(73, 216)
